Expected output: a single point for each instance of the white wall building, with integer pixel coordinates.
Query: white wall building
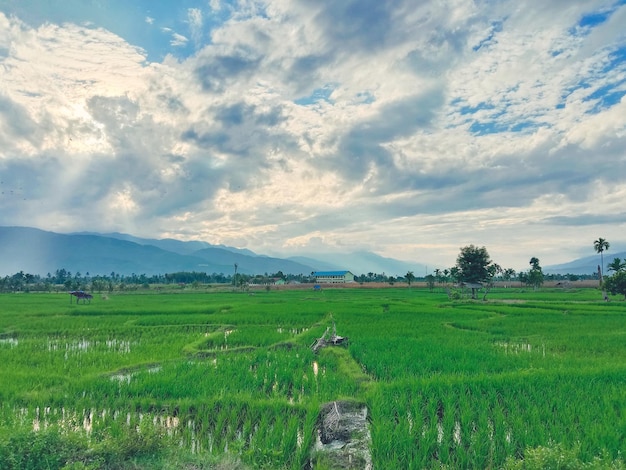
(333, 277)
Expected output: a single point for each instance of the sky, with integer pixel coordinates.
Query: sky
(405, 128)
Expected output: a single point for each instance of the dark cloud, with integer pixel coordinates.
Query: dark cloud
(28, 178)
(215, 71)
(122, 123)
(240, 113)
(270, 118)
(305, 66)
(305, 71)
(118, 110)
(244, 136)
(173, 103)
(362, 145)
(233, 115)
(586, 219)
(206, 140)
(360, 24)
(442, 48)
(17, 123)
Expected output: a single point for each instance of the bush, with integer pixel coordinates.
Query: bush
(53, 449)
(556, 457)
(25, 450)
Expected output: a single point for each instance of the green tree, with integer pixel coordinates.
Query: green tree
(454, 274)
(508, 274)
(279, 275)
(616, 284)
(494, 270)
(430, 282)
(98, 285)
(474, 264)
(617, 265)
(601, 245)
(410, 277)
(523, 278)
(535, 275)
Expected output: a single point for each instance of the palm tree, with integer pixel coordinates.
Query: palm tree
(535, 275)
(601, 245)
(409, 277)
(616, 265)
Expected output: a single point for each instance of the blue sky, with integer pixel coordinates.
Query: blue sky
(296, 127)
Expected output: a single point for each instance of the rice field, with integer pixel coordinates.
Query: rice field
(201, 378)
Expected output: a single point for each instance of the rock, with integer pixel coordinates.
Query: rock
(343, 437)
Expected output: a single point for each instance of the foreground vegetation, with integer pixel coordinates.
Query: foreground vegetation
(199, 380)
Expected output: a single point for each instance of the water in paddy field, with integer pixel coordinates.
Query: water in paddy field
(84, 345)
(126, 377)
(10, 342)
(518, 348)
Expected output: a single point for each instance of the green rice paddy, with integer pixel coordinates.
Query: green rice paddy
(199, 379)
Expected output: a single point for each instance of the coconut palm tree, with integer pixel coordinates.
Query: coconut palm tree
(601, 245)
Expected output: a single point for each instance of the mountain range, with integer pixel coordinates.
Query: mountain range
(586, 265)
(40, 252)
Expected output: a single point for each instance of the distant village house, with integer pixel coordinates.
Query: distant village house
(333, 277)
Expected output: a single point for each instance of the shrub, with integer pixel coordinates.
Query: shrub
(557, 457)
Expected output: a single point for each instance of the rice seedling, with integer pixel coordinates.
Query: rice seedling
(458, 384)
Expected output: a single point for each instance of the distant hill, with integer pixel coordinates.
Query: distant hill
(40, 252)
(170, 244)
(586, 265)
(363, 262)
(317, 264)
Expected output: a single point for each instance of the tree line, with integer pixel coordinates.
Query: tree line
(64, 280)
(474, 269)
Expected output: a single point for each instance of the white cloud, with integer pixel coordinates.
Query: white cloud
(420, 128)
(195, 20)
(215, 5)
(178, 40)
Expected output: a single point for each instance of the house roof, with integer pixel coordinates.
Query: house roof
(331, 273)
(472, 285)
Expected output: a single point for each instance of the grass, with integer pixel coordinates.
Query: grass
(229, 378)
